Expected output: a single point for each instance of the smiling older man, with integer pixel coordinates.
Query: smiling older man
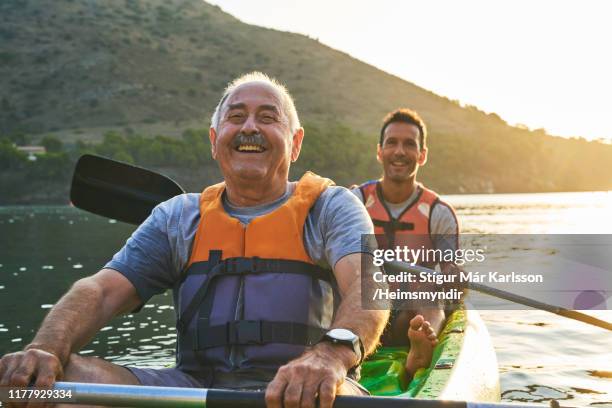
(265, 273)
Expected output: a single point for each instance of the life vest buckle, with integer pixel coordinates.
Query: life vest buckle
(244, 332)
(231, 265)
(255, 264)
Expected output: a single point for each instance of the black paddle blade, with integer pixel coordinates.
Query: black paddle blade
(118, 190)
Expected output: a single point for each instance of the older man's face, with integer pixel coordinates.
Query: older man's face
(254, 140)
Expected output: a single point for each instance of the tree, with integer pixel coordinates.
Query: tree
(52, 144)
(10, 157)
(20, 139)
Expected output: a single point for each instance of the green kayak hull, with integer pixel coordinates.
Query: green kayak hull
(463, 367)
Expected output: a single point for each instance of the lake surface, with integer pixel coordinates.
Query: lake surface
(43, 250)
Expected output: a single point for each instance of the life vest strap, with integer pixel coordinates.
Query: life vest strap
(256, 265)
(394, 225)
(214, 257)
(258, 332)
(391, 227)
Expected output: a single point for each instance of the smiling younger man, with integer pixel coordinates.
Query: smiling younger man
(265, 274)
(405, 212)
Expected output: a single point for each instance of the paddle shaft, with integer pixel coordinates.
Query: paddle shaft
(570, 314)
(171, 397)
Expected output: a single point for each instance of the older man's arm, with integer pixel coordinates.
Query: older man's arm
(71, 323)
(322, 369)
(367, 324)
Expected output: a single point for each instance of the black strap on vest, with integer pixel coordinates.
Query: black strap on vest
(214, 257)
(393, 225)
(241, 266)
(256, 265)
(249, 332)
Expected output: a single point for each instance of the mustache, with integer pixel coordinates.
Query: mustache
(254, 139)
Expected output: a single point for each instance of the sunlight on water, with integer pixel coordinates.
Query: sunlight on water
(542, 356)
(546, 213)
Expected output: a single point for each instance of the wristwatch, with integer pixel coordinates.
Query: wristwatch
(348, 338)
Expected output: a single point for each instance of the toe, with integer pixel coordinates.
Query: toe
(426, 326)
(417, 322)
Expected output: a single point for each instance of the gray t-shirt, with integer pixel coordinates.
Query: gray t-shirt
(158, 251)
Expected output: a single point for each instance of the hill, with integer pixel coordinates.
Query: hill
(79, 68)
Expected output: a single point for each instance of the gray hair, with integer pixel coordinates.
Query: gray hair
(287, 104)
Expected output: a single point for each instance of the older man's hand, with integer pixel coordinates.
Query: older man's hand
(317, 373)
(20, 368)
(31, 367)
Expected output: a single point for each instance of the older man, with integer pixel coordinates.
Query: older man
(265, 272)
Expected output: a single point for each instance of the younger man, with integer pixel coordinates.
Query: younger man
(404, 212)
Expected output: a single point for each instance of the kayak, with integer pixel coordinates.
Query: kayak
(463, 373)
(463, 367)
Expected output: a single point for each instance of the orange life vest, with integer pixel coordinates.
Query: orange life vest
(254, 287)
(218, 231)
(411, 228)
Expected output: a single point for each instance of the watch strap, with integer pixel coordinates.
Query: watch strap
(357, 346)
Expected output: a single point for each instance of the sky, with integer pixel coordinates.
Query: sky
(540, 63)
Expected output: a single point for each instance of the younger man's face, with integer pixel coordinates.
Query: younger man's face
(401, 153)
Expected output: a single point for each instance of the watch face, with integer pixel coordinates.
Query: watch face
(341, 334)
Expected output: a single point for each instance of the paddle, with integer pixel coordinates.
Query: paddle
(172, 397)
(119, 190)
(129, 193)
(397, 267)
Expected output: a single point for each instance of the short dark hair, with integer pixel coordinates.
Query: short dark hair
(407, 116)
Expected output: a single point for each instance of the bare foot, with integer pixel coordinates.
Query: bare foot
(423, 339)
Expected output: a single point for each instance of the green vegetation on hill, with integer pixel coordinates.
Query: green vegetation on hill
(49, 176)
(70, 66)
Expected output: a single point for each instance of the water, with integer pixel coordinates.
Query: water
(43, 250)
(542, 356)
